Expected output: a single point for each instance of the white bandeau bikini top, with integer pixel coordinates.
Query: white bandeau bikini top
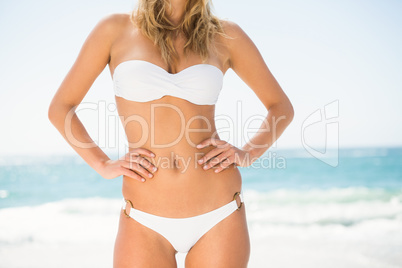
(139, 80)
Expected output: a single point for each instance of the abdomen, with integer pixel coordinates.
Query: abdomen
(171, 128)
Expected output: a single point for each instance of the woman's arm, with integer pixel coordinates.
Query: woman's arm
(247, 62)
(91, 61)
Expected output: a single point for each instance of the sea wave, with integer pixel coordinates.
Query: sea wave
(324, 207)
(283, 208)
(348, 223)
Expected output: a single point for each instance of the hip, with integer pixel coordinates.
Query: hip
(174, 193)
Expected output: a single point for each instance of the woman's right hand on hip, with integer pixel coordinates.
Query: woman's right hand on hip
(133, 165)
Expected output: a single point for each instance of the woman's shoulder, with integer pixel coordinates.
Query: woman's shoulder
(112, 25)
(114, 21)
(231, 28)
(234, 33)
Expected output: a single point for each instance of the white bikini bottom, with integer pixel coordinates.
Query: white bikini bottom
(183, 233)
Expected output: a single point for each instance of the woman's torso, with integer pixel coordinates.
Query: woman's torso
(171, 127)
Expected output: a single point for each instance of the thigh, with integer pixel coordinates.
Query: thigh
(137, 246)
(226, 245)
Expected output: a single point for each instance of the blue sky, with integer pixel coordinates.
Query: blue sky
(321, 52)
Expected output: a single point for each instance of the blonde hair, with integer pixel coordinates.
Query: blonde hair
(198, 26)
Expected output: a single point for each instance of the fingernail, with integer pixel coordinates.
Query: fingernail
(200, 161)
(152, 154)
(198, 145)
(216, 171)
(205, 167)
(142, 179)
(155, 169)
(150, 175)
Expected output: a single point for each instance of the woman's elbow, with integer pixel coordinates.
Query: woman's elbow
(51, 112)
(291, 112)
(285, 109)
(54, 111)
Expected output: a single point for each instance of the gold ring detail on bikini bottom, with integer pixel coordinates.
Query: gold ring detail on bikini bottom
(124, 210)
(234, 198)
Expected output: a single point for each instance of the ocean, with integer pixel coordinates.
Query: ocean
(56, 211)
